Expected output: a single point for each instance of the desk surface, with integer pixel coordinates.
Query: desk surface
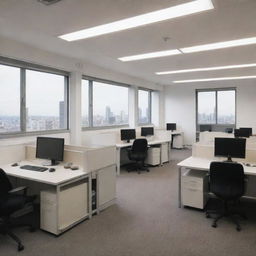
(204, 164)
(58, 177)
(150, 142)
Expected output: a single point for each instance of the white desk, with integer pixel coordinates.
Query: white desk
(59, 182)
(160, 142)
(198, 163)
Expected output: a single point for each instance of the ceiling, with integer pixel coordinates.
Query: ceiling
(31, 22)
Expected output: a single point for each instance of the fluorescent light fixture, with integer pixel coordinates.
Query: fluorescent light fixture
(219, 45)
(140, 20)
(206, 69)
(214, 79)
(150, 55)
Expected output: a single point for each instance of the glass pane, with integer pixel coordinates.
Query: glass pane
(226, 107)
(9, 99)
(45, 101)
(206, 107)
(85, 103)
(144, 114)
(110, 104)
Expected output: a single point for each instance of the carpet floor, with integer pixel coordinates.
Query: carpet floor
(145, 221)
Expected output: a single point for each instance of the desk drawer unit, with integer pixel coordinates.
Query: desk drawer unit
(153, 157)
(194, 189)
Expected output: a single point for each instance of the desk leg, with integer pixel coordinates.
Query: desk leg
(179, 192)
(161, 154)
(169, 151)
(118, 152)
(90, 195)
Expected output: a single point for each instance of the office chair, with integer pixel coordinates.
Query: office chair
(226, 181)
(11, 202)
(138, 153)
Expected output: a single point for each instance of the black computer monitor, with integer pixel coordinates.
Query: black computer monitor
(230, 147)
(50, 148)
(228, 130)
(245, 132)
(205, 128)
(171, 126)
(128, 134)
(147, 131)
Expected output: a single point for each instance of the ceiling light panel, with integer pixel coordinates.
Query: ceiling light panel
(150, 55)
(140, 20)
(206, 69)
(215, 79)
(220, 45)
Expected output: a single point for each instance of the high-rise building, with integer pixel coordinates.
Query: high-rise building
(62, 114)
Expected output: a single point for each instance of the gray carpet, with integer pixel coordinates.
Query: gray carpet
(145, 221)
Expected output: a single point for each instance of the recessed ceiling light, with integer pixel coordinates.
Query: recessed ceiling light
(219, 45)
(150, 55)
(206, 69)
(140, 20)
(214, 79)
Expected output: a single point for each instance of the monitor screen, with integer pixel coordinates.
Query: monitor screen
(230, 147)
(171, 126)
(245, 132)
(50, 148)
(205, 128)
(147, 131)
(128, 134)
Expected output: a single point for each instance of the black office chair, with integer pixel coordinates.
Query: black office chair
(226, 181)
(138, 153)
(11, 202)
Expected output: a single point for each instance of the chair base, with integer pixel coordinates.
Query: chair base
(226, 213)
(137, 167)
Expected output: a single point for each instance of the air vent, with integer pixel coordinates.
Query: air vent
(48, 2)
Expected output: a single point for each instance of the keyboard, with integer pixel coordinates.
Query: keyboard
(34, 168)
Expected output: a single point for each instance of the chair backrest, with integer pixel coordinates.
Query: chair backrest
(140, 146)
(227, 180)
(5, 184)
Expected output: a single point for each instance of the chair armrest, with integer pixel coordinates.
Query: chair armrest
(19, 189)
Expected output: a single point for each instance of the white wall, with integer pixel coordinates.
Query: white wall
(20, 51)
(180, 105)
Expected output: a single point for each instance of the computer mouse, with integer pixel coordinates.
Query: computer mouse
(74, 168)
(52, 170)
(15, 164)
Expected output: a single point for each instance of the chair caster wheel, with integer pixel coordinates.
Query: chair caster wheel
(20, 247)
(238, 229)
(214, 225)
(207, 215)
(147, 170)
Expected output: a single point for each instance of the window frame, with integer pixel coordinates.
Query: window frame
(149, 106)
(90, 80)
(216, 90)
(23, 66)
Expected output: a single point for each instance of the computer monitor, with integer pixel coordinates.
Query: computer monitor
(171, 126)
(245, 132)
(147, 131)
(205, 128)
(230, 147)
(128, 134)
(50, 148)
(229, 130)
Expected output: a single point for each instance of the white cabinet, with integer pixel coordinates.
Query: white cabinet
(153, 157)
(177, 141)
(194, 189)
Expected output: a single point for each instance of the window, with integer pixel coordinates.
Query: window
(9, 99)
(30, 100)
(144, 106)
(85, 103)
(104, 104)
(45, 101)
(216, 107)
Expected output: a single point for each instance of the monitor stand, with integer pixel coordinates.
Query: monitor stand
(229, 160)
(51, 162)
(128, 141)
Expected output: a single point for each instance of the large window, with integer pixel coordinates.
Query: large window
(216, 107)
(144, 106)
(9, 99)
(104, 104)
(32, 100)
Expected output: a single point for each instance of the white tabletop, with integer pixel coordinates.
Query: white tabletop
(150, 142)
(204, 164)
(60, 175)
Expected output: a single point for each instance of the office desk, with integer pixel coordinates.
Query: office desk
(59, 211)
(160, 142)
(197, 163)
